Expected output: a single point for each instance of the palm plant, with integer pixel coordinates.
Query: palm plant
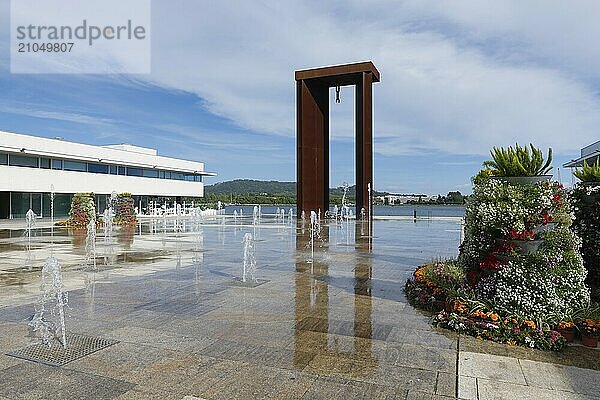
(588, 173)
(519, 161)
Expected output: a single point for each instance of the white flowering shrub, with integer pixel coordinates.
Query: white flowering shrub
(586, 197)
(519, 251)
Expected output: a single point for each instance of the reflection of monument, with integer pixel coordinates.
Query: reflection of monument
(312, 132)
(315, 323)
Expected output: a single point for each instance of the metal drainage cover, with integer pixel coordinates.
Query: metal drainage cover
(249, 283)
(78, 346)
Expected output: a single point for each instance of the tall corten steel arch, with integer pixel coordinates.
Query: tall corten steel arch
(312, 132)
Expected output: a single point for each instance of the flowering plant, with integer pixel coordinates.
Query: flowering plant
(125, 210)
(433, 283)
(589, 326)
(519, 251)
(566, 325)
(83, 209)
(587, 226)
(472, 319)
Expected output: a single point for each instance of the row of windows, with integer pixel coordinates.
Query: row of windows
(95, 168)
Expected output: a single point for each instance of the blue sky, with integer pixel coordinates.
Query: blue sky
(457, 78)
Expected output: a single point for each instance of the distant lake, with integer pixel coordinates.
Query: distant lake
(422, 210)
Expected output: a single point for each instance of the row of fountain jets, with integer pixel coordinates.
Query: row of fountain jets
(49, 317)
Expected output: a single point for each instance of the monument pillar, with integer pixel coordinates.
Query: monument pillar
(312, 133)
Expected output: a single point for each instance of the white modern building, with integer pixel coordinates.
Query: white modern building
(32, 167)
(590, 154)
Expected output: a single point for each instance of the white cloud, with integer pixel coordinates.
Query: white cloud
(76, 117)
(456, 78)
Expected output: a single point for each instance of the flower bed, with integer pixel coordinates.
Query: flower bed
(432, 284)
(519, 273)
(473, 320)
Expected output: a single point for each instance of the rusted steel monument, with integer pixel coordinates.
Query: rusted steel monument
(312, 132)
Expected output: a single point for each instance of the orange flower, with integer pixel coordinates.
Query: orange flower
(494, 317)
(565, 325)
(530, 324)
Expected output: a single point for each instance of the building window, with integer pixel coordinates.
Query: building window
(74, 166)
(113, 169)
(198, 178)
(178, 176)
(44, 163)
(189, 177)
(150, 173)
(23, 161)
(134, 171)
(57, 164)
(121, 170)
(161, 174)
(97, 168)
(3, 159)
(167, 174)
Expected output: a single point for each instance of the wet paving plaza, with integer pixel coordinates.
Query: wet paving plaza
(335, 325)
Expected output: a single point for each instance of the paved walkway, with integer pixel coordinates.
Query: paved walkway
(333, 327)
(490, 377)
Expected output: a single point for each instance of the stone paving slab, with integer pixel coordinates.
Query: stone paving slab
(561, 377)
(493, 390)
(491, 377)
(496, 368)
(37, 381)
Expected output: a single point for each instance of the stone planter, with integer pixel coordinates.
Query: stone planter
(589, 341)
(524, 180)
(549, 227)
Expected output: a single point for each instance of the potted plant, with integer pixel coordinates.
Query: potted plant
(519, 165)
(566, 330)
(590, 331)
(589, 175)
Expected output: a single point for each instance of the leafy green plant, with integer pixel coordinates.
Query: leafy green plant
(588, 173)
(482, 176)
(519, 161)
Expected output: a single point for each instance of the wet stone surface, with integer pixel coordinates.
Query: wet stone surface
(333, 327)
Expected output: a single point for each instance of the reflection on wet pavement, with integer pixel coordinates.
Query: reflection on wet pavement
(338, 327)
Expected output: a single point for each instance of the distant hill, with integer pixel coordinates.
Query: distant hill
(250, 186)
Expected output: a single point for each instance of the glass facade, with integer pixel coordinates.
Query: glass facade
(16, 204)
(57, 164)
(95, 168)
(74, 166)
(44, 163)
(23, 161)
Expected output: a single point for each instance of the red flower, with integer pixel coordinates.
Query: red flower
(491, 263)
(558, 199)
(547, 218)
(514, 234)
